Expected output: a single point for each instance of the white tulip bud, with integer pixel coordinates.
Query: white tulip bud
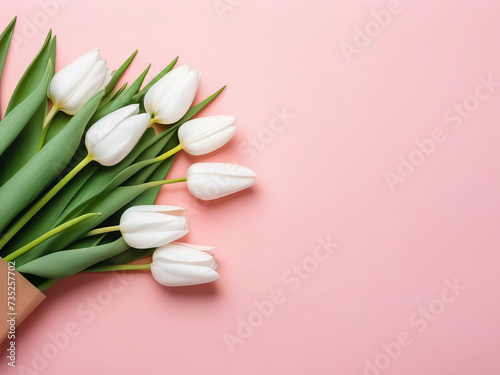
(170, 98)
(206, 134)
(143, 227)
(112, 138)
(209, 181)
(180, 264)
(77, 82)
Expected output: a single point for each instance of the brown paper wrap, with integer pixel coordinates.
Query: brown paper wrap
(28, 297)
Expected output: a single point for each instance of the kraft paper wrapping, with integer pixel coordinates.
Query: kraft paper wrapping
(28, 297)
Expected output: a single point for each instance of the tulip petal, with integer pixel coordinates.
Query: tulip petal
(221, 169)
(150, 221)
(87, 89)
(206, 134)
(209, 181)
(147, 240)
(204, 127)
(211, 144)
(108, 76)
(161, 88)
(170, 98)
(108, 123)
(144, 227)
(182, 254)
(196, 247)
(117, 145)
(176, 102)
(174, 274)
(67, 80)
(163, 208)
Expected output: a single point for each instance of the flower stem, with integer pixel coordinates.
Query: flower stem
(167, 154)
(164, 182)
(152, 121)
(103, 230)
(19, 224)
(46, 124)
(119, 267)
(48, 235)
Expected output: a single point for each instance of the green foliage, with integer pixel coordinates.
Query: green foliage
(5, 38)
(26, 143)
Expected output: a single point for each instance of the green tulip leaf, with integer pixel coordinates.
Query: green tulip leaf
(44, 167)
(57, 124)
(34, 73)
(26, 144)
(106, 207)
(15, 121)
(46, 219)
(69, 262)
(5, 38)
(112, 96)
(117, 75)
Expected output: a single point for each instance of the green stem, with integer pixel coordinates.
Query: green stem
(114, 228)
(151, 122)
(46, 124)
(167, 154)
(163, 182)
(120, 267)
(18, 225)
(48, 235)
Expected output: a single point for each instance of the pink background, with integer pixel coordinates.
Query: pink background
(322, 174)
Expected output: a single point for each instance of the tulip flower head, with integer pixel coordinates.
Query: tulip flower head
(170, 98)
(180, 264)
(209, 181)
(144, 227)
(206, 134)
(77, 82)
(112, 138)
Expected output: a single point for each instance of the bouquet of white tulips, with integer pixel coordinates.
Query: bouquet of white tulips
(81, 166)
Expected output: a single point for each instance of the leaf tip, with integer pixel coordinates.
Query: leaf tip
(10, 28)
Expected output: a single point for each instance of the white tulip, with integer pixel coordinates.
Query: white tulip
(143, 227)
(79, 81)
(206, 134)
(170, 98)
(209, 181)
(180, 264)
(112, 138)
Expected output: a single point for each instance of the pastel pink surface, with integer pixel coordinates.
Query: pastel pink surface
(321, 174)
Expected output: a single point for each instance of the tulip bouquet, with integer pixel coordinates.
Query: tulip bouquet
(81, 166)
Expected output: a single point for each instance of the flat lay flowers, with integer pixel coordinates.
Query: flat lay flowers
(81, 166)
